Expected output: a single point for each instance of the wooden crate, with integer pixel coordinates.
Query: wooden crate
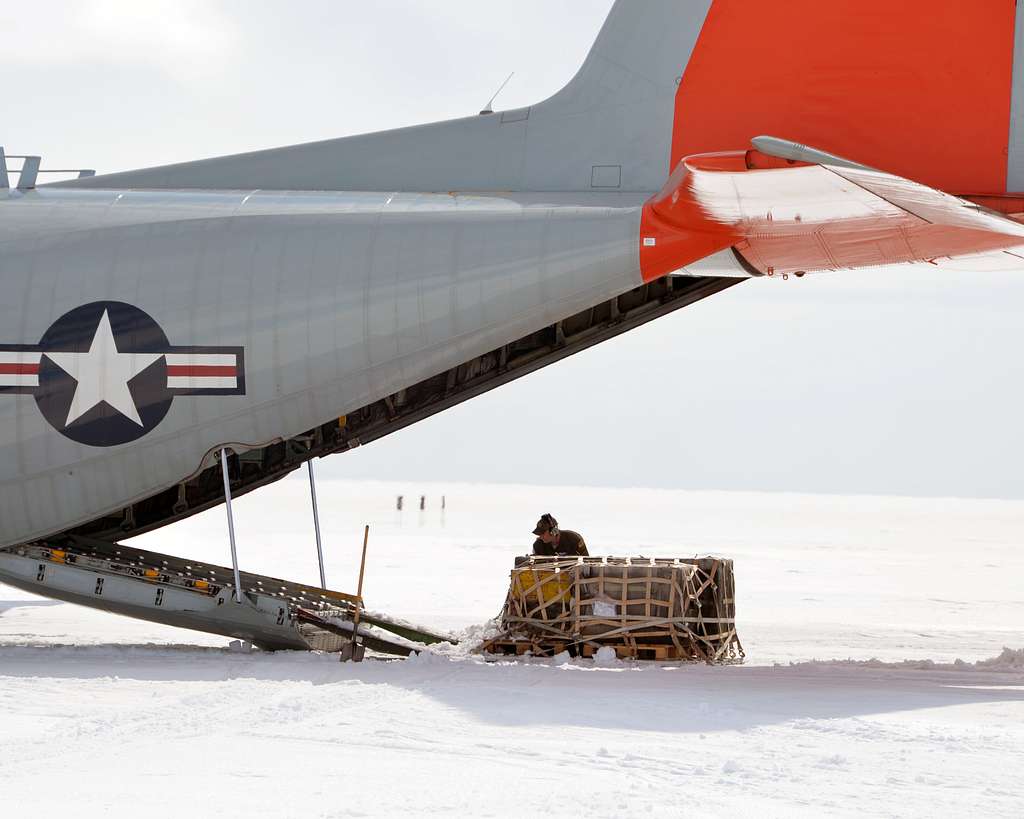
(645, 608)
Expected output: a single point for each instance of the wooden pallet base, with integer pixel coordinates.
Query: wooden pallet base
(518, 648)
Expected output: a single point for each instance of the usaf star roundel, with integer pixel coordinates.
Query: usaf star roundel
(105, 374)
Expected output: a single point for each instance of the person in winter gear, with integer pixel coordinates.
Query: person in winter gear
(551, 540)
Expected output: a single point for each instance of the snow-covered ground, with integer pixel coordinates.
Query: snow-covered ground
(101, 715)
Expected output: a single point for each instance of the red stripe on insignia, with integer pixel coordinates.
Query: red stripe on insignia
(19, 369)
(196, 370)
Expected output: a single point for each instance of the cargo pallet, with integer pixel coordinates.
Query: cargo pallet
(643, 608)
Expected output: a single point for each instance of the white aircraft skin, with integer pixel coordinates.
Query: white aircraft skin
(336, 299)
(154, 317)
(151, 318)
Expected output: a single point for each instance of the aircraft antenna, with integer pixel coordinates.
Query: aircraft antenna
(489, 109)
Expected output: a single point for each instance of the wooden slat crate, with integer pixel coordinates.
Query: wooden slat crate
(644, 608)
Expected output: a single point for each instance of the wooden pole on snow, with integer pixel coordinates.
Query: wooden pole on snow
(355, 652)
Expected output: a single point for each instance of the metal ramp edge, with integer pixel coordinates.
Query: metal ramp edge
(196, 595)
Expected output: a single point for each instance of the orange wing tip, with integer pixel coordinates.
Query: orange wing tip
(795, 216)
(674, 229)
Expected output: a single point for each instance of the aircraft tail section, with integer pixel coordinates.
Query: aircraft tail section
(924, 89)
(608, 130)
(930, 90)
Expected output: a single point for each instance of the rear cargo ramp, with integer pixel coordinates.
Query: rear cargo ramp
(273, 614)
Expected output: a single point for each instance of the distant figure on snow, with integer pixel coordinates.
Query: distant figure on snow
(554, 541)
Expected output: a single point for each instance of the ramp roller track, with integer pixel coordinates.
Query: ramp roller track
(274, 613)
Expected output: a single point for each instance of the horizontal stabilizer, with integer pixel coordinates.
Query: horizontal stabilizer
(783, 215)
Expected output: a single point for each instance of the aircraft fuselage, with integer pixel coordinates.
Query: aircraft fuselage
(144, 330)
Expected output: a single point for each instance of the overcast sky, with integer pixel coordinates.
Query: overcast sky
(899, 381)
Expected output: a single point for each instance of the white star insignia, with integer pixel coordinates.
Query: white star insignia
(103, 374)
